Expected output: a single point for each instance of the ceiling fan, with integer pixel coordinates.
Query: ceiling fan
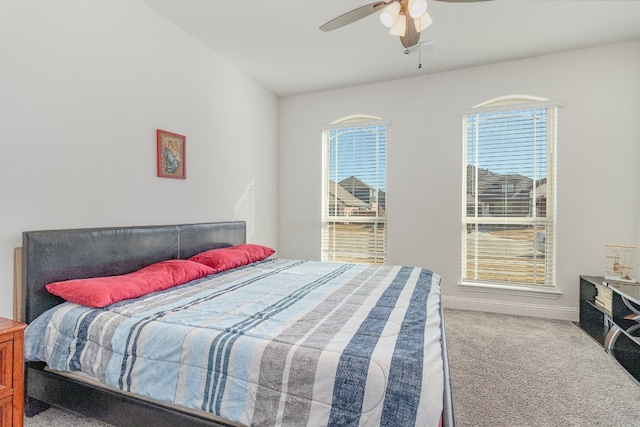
(405, 18)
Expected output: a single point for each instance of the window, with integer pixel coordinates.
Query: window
(354, 191)
(508, 221)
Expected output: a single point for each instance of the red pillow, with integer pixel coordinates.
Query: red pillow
(234, 256)
(101, 291)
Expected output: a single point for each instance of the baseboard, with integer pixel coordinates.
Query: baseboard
(515, 308)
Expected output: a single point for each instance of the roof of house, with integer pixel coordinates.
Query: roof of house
(337, 191)
(490, 184)
(354, 182)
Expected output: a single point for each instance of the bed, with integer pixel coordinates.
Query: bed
(294, 303)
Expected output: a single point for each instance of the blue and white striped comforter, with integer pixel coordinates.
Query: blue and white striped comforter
(280, 342)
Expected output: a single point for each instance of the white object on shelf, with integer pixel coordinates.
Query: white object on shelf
(621, 263)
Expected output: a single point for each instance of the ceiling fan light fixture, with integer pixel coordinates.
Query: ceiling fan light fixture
(423, 22)
(390, 14)
(417, 8)
(400, 27)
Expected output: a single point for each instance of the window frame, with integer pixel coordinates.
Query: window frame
(327, 254)
(505, 105)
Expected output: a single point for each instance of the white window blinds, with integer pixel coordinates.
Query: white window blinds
(508, 221)
(354, 194)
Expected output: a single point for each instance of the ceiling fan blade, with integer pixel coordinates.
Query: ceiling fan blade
(411, 34)
(354, 15)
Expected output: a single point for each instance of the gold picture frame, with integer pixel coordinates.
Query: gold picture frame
(171, 155)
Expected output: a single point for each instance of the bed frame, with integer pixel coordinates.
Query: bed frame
(55, 255)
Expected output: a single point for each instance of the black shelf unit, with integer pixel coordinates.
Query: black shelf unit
(618, 334)
(592, 320)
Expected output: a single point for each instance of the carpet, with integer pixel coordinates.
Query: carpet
(521, 371)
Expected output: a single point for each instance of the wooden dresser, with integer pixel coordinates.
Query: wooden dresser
(11, 373)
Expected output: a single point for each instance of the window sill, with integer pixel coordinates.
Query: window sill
(528, 291)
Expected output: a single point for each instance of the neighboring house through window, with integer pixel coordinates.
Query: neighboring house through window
(354, 190)
(509, 180)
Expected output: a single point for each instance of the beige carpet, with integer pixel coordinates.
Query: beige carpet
(513, 371)
(55, 418)
(517, 371)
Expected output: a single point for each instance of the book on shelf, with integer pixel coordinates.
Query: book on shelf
(603, 307)
(603, 298)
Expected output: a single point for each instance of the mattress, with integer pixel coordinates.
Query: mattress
(278, 342)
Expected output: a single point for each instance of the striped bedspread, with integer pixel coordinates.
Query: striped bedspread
(279, 342)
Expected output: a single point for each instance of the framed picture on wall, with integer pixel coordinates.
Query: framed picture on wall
(171, 155)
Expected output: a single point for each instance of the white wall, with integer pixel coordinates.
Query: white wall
(83, 87)
(598, 153)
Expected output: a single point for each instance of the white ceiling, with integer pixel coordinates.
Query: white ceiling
(278, 42)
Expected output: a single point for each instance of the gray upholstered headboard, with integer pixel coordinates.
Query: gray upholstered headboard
(53, 255)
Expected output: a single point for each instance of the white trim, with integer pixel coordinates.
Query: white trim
(356, 124)
(510, 99)
(569, 314)
(511, 107)
(526, 291)
(508, 105)
(377, 127)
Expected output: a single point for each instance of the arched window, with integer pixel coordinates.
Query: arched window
(354, 190)
(509, 188)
